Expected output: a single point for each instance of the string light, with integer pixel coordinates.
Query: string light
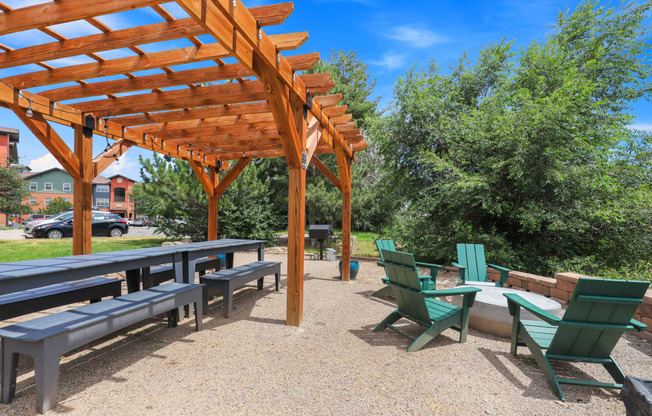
(29, 111)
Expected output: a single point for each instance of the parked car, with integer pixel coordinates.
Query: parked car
(33, 217)
(138, 223)
(103, 224)
(29, 225)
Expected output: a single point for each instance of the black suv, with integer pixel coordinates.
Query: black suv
(104, 224)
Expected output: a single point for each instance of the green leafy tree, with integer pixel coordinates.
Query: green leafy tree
(56, 206)
(172, 194)
(529, 152)
(370, 209)
(12, 193)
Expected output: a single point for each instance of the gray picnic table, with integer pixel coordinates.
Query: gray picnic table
(29, 274)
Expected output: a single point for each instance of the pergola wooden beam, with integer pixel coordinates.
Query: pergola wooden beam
(67, 115)
(172, 79)
(231, 175)
(125, 38)
(327, 172)
(62, 11)
(232, 24)
(335, 110)
(195, 114)
(203, 178)
(207, 122)
(237, 92)
(51, 140)
(119, 66)
(110, 155)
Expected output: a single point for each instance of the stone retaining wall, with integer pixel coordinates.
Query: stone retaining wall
(562, 287)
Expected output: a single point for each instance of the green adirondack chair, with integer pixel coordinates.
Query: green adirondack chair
(420, 306)
(427, 282)
(473, 266)
(597, 315)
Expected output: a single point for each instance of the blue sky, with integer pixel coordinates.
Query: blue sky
(389, 36)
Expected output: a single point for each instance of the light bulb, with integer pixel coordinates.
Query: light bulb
(29, 111)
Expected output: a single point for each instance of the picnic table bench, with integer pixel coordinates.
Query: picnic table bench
(230, 279)
(16, 302)
(47, 338)
(156, 275)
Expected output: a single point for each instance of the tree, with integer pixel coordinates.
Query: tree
(352, 81)
(529, 152)
(12, 193)
(370, 209)
(56, 206)
(171, 193)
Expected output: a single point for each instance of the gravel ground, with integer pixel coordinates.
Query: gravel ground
(253, 364)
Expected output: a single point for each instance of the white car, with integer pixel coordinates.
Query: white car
(28, 226)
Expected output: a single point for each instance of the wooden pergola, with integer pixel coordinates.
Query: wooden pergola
(269, 110)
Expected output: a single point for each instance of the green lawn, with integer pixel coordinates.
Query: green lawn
(31, 249)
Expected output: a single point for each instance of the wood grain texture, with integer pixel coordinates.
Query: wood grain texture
(83, 195)
(296, 227)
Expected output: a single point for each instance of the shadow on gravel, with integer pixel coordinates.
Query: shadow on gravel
(538, 388)
(385, 300)
(101, 360)
(389, 338)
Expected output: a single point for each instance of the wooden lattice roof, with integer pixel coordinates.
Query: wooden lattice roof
(244, 99)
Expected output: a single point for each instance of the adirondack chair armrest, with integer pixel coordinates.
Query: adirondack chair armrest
(504, 272)
(460, 290)
(639, 326)
(434, 270)
(499, 268)
(461, 269)
(514, 300)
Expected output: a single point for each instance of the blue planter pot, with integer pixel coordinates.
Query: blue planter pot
(354, 269)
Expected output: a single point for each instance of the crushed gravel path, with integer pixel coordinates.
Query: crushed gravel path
(253, 364)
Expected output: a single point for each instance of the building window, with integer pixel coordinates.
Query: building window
(33, 186)
(32, 201)
(102, 202)
(102, 189)
(67, 187)
(47, 201)
(119, 194)
(48, 186)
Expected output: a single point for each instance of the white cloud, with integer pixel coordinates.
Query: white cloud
(123, 166)
(44, 162)
(391, 61)
(642, 126)
(416, 38)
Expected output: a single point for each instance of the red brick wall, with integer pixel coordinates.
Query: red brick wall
(4, 148)
(40, 199)
(125, 208)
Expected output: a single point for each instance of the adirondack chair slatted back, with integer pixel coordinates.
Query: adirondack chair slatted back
(402, 271)
(384, 245)
(472, 256)
(590, 326)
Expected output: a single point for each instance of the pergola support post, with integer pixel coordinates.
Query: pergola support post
(83, 194)
(344, 167)
(213, 205)
(296, 229)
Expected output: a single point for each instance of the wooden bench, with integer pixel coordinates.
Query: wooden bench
(47, 338)
(16, 303)
(159, 274)
(230, 279)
